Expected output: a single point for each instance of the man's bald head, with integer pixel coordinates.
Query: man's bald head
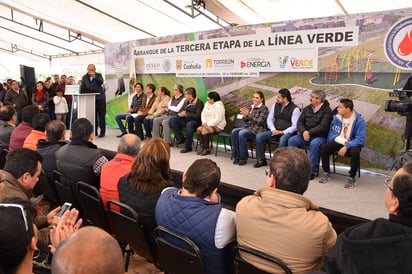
(88, 250)
(129, 144)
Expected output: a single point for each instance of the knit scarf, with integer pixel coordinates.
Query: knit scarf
(39, 94)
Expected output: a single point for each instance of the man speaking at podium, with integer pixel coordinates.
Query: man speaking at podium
(92, 82)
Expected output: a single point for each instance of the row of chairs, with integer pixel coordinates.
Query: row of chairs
(123, 221)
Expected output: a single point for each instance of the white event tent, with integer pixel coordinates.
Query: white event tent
(53, 34)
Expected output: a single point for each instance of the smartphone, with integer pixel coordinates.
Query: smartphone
(66, 206)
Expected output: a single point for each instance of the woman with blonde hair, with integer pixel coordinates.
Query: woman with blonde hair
(149, 175)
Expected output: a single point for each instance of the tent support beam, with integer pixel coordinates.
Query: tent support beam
(41, 29)
(341, 7)
(15, 48)
(114, 18)
(193, 8)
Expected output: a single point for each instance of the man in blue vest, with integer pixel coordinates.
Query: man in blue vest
(282, 124)
(195, 212)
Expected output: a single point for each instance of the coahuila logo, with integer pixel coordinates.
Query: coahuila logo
(398, 44)
(180, 64)
(255, 63)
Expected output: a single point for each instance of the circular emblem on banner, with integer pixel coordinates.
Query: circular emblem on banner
(398, 44)
(166, 65)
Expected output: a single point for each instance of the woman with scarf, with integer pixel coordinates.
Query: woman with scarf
(40, 97)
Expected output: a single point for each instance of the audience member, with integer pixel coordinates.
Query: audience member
(279, 221)
(149, 175)
(381, 245)
(55, 139)
(195, 211)
(143, 111)
(189, 117)
(213, 121)
(8, 120)
(93, 80)
(347, 135)
(17, 98)
(134, 100)
(52, 92)
(2, 94)
(20, 175)
(313, 127)
(39, 123)
(18, 236)
(40, 98)
(175, 105)
(281, 122)
(21, 132)
(89, 250)
(119, 166)
(255, 122)
(56, 82)
(60, 106)
(158, 109)
(63, 227)
(86, 168)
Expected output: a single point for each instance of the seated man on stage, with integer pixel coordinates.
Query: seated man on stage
(313, 126)
(282, 122)
(134, 100)
(189, 117)
(347, 135)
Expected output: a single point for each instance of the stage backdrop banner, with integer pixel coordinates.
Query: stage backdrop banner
(362, 57)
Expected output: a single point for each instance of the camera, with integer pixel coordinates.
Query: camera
(403, 106)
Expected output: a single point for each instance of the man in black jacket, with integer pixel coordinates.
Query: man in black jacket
(382, 245)
(313, 127)
(189, 117)
(81, 160)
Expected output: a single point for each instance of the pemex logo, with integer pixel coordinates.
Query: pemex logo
(398, 44)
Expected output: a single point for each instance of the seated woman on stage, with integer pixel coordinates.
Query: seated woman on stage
(255, 119)
(213, 120)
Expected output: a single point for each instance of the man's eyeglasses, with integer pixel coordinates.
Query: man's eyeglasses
(23, 212)
(387, 184)
(267, 172)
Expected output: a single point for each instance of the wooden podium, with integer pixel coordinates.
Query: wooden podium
(83, 105)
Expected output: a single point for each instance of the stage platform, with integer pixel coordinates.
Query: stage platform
(365, 200)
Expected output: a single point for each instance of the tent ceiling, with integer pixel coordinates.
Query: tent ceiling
(50, 29)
